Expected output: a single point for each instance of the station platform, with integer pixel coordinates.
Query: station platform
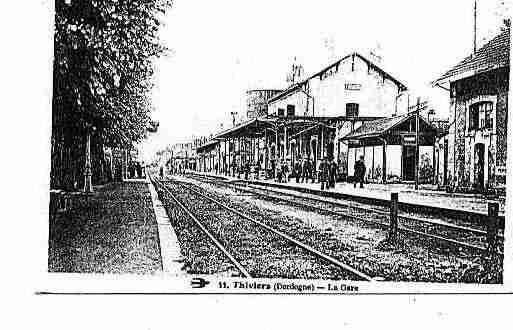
(425, 197)
(121, 227)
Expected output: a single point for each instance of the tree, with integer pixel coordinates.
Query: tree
(104, 52)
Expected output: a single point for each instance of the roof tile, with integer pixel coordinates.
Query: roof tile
(493, 55)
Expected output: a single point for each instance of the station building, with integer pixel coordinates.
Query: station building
(389, 148)
(336, 101)
(475, 146)
(350, 108)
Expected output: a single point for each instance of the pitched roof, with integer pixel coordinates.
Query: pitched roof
(378, 127)
(375, 127)
(493, 55)
(297, 86)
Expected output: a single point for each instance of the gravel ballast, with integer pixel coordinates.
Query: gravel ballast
(360, 244)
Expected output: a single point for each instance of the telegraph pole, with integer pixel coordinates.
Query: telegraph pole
(475, 26)
(417, 145)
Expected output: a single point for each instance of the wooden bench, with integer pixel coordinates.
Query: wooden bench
(61, 200)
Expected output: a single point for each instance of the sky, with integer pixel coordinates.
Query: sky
(222, 48)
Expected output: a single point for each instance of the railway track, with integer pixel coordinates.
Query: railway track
(466, 237)
(255, 248)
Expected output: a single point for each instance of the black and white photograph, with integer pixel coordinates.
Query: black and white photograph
(278, 147)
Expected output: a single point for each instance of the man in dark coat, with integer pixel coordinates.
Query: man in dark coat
(332, 174)
(323, 173)
(304, 170)
(297, 169)
(285, 171)
(246, 171)
(359, 172)
(310, 169)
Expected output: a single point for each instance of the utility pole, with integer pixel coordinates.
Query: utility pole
(475, 26)
(417, 145)
(307, 103)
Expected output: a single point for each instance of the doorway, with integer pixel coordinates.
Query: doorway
(479, 154)
(408, 163)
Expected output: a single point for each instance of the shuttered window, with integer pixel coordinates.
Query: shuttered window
(352, 110)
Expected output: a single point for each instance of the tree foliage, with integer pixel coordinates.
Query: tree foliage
(103, 66)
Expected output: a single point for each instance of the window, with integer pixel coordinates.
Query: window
(290, 110)
(473, 117)
(352, 110)
(281, 112)
(488, 115)
(480, 116)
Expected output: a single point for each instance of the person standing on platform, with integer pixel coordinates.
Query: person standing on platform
(297, 169)
(323, 173)
(279, 172)
(310, 170)
(257, 170)
(302, 174)
(246, 171)
(359, 172)
(332, 174)
(285, 171)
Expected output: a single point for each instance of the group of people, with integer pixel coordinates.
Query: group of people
(245, 169)
(304, 170)
(283, 172)
(327, 172)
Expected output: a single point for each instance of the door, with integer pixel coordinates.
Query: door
(408, 163)
(479, 154)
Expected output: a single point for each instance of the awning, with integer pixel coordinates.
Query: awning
(207, 146)
(251, 128)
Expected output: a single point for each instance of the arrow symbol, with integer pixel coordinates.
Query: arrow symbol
(199, 283)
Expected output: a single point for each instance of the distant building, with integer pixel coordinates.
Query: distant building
(476, 143)
(182, 156)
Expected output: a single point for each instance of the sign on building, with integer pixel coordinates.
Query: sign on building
(409, 140)
(353, 87)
